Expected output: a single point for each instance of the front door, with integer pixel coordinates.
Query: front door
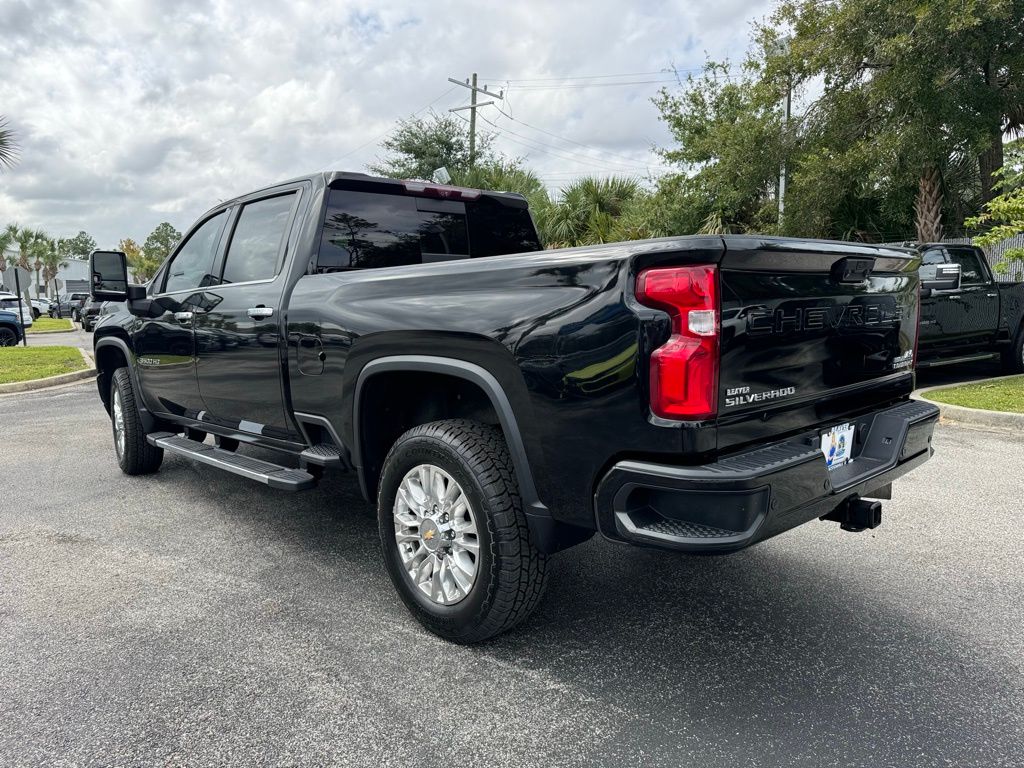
(978, 299)
(238, 335)
(165, 344)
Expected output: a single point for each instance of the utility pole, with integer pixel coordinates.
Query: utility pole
(781, 48)
(782, 169)
(472, 107)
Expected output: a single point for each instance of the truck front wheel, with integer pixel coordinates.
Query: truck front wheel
(1013, 358)
(134, 455)
(453, 531)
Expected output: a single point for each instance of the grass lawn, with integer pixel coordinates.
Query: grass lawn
(27, 363)
(1005, 395)
(46, 324)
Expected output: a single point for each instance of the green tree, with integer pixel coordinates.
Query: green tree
(77, 247)
(586, 212)
(1003, 216)
(49, 257)
(141, 265)
(911, 101)
(504, 175)
(729, 137)
(921, 82)
(26, 240)
(8, 145)
(160, 243)
(421, 145)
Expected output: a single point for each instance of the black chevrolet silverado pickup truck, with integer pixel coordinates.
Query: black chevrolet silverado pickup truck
(499, 402)
(975, 317)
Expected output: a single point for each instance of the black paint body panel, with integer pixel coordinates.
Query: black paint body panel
(562, 336)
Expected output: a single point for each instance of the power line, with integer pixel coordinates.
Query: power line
(563, 138)
(390, 128)
(593, 85)
(538, 146)
(664, 71)
(571, 77)
(563, 153)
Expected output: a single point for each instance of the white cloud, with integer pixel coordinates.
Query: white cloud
(131, 113)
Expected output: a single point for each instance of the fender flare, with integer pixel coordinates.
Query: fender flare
(477, 375)
(147, 418)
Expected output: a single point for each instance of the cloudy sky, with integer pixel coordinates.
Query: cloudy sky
(132, 112)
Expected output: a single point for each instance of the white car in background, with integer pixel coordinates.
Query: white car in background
(9, 302)
(40, 306)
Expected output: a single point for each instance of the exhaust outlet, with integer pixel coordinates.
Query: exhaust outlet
(856, 515)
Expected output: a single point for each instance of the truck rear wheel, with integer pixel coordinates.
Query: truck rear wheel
(453, 531)
(134, 454)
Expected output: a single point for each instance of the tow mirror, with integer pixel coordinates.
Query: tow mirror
(945, 277)
(108, 272)
(108, 277)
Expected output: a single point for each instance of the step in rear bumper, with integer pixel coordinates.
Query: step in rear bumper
(748, 497)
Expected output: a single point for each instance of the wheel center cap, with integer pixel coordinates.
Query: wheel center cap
(430, 535)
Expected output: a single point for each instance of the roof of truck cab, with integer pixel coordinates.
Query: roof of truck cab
(328, 178)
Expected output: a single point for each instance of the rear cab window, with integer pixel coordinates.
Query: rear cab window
(365, 229)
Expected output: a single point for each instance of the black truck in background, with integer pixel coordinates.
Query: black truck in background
(498, 402)
(973, 318)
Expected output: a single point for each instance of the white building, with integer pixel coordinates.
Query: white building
(76, 273)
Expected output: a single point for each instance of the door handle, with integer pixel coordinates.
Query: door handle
(260, 313)
(183, 317)
(991, 295)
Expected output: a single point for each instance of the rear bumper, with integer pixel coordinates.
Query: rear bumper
(752, 496)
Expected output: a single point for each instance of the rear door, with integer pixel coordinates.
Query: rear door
(238, 335)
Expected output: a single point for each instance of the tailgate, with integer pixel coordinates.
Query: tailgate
(811, 332)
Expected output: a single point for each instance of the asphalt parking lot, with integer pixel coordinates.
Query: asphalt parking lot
(194, 618)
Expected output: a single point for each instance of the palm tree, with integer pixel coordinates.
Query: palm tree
(25, 238)
(587, 211)
(8, 146)
(49, 259)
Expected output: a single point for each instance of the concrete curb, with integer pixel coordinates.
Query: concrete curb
(52, 381)
(1001, 420)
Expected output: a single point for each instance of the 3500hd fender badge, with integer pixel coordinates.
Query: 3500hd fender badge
(743, 396)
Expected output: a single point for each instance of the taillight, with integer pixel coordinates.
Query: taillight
(684, 370)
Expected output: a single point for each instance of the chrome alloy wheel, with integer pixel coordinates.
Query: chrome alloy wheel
(436, 534)
(118, 413)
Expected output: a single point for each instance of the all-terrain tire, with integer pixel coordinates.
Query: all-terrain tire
(134, 455)
(511, 572)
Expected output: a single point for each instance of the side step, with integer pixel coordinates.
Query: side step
(274, 475)
(322, 455)
(976, 358)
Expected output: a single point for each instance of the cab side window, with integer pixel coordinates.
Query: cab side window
(193, 263)
(256, 244)
(971, 270)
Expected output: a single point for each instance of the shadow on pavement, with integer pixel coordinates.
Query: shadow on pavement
(792, 650)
